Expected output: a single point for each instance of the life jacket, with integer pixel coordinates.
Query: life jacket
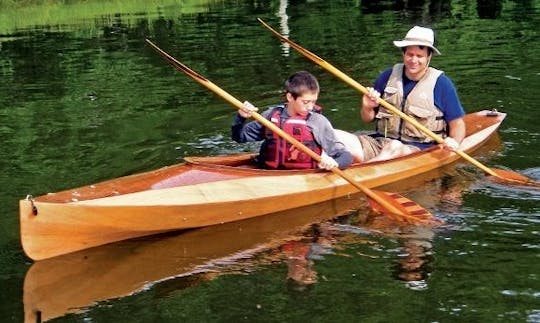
(279, 153)
(420, 104)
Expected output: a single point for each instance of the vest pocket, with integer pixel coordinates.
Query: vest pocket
(425, 117)
(390, 90)
(387, 123)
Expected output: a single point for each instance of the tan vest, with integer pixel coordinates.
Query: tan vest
(419, 105)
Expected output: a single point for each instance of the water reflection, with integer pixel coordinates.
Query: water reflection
(414, 260)
(300, 271)
(451, 194)
(300, 255)
(73, 282)
(413, 254)
(284, 25)
(414, 10)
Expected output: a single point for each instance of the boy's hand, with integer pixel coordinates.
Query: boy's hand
(246, 111)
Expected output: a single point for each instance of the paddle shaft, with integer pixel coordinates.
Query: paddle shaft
(239, 105)
(344, 77)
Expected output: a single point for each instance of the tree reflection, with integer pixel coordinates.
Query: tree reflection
(489, 9)
(417, 10)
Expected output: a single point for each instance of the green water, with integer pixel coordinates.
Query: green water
(83, 99)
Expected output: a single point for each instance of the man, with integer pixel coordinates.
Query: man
(297, 118)
(420, 91)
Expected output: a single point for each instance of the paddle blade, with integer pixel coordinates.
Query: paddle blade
(510, 177)
(411, 212)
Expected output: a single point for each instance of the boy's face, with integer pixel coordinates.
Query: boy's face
(303, 104)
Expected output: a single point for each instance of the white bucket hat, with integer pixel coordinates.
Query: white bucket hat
(418, 36)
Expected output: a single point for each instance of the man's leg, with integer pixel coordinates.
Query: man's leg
(352, 144)
(393, 149)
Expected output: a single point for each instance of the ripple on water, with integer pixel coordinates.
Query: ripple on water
(533, 316)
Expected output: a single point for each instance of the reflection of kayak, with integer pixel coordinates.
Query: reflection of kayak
(207, 191)
(67, 283)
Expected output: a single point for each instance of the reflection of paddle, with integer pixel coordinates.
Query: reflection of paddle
(502, 175)
(388, 203)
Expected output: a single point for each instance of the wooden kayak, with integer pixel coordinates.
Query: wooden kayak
(205, 191)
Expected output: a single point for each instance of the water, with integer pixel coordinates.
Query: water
(83, 99)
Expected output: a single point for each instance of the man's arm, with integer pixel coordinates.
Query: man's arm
(447, 99)
(457, 129)
(370, 107)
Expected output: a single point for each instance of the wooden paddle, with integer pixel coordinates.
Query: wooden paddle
(391, 204)
(503, 176)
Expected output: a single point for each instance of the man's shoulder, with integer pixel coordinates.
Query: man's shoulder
(444, 82)
(386, 73)
(382, 79)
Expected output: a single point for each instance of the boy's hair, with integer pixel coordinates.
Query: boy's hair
(300, 83)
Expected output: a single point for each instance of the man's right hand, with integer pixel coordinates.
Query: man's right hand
(369, 100)
(369, 103)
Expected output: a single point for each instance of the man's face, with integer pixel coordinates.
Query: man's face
(416, 61)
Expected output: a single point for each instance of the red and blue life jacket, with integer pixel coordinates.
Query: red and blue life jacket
(281, 154)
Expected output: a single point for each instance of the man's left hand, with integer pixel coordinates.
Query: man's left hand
(450, 144)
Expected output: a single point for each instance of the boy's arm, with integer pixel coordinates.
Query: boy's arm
(325, 135)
